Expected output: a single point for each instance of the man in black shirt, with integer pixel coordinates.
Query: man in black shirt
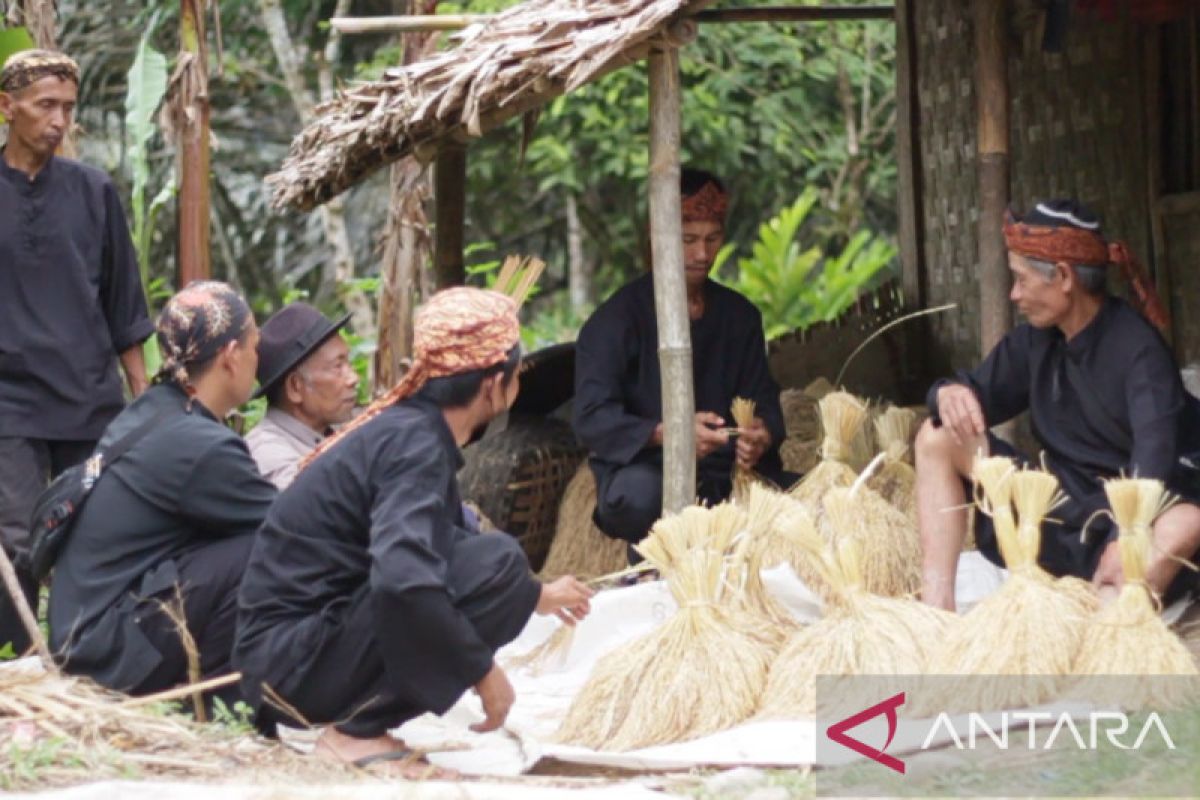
(70, 302)
(367, 600)
(1104, 398)
(174, 517)
(618, 388)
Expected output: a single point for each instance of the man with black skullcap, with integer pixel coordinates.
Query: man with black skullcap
(304, 370)
(367, 599)
(1104, 399)
(174, 517)
(71, 301)
(618, 389)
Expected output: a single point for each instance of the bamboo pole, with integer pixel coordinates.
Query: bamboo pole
(28, 619)
(670, 295)
(450, 199)
(908, 155)
(455, 22)
(194, 257)
(991, 91)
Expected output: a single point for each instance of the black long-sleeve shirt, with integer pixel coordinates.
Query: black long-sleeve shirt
(618, 385)
(1129, 370)
(70, 301)
(381, 509)
(188, 481)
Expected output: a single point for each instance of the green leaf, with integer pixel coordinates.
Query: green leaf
(13, 40)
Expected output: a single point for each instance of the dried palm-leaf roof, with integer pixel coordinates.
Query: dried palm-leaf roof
(512, 63)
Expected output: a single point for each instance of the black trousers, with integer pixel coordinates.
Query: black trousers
(209, 576)
(347, 685)
(26, 467)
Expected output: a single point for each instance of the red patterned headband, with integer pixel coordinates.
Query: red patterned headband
(707, 205)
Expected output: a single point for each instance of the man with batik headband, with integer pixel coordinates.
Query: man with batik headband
(71, 302)
(368, 600)
(173, 519)
(618, 390)
(1104, 399)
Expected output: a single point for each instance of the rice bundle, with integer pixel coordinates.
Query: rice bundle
(861, 634)
(843, 417)
(896, 480)
(1032, 626)
(698, 673)
(579, 548)
(742, 412)
(1128, 637)
(777, 530)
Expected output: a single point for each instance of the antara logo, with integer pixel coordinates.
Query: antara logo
(837, 732)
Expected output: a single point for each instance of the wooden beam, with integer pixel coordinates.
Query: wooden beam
(455, 22)
(1152, 126)
(450, 198)
(991, 94)
(908, 157)
(670, 294)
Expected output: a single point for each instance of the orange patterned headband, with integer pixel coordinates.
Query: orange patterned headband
(707, 205)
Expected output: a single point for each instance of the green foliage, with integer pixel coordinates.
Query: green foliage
(147, 83)
(6, 652)
(26, 763)
(13, 40)
(794, 286)
(238, 719)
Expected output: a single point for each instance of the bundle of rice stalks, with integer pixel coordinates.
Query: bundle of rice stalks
(743, 416)
(896, 480)
(698, 673)
(803, 425)
(843, 417)
(579, 548)
(1033, 625)
(860, 634)
(777, 530)
(1128, 638)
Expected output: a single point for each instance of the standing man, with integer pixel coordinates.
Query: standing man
(304, 370)
(71, 302)
(618, 387)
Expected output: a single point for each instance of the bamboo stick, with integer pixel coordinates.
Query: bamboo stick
(670, 295)
(28, 619)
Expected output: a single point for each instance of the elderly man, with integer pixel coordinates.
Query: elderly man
(1104, 398)
(618, 389)
(304, 370)
(71, 302)
(173, 520)
(367, 600)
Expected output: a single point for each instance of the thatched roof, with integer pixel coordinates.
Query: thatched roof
(512, 63)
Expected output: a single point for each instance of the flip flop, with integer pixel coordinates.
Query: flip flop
(401, 754)
(423, 769)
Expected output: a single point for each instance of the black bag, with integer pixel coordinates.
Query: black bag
(58, 505)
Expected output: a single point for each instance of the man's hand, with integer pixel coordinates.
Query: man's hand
(498, 696)
(708, 435)
(752, 442)
(961, 413)
(567, 598)
(134, 365)
(1110, 575)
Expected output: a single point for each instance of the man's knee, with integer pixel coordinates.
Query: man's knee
(936, 446)
(630, 502)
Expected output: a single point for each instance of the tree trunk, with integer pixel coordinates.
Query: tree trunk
(450, 197)
(670, 294)
(191, 125)
(579, 277)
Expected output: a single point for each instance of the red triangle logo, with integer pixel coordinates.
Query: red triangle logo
(837, 732)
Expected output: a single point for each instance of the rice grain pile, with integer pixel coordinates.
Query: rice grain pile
(1033, 625)
(1128, 638)
(579, 548)
(843, 419)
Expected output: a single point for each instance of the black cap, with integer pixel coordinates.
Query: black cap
(287, 338)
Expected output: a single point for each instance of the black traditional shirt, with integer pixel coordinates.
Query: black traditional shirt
(1126, 367)
(381, 512)
(618, 386)
(70, 301)
(188, 481)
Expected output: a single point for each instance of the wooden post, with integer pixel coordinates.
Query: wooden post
(450, 197)
(908, 157)
(991, 90)
(670, 295)
(194, 261)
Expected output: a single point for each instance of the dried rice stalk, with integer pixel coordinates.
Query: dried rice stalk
(1127, 637)
(698, 673)
(1031, 626)
(896, 480)
(843, 417)
(579, 547)
(861, 634)
(766, 543)
(887, 542)
(743, 416)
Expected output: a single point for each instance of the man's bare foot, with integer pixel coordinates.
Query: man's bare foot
(383, 755)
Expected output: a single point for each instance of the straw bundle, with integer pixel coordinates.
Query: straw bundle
(1128, 637)
(1032, 626)
(778, 530)
(742, 412)
(579, 548)
(887, 541)
(803, 425)
(896, 480)
(843, 417)
(700, 672)
(861, 634)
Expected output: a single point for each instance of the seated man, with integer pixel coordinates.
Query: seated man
(175, 514)
(304, 370)
(618, 391)
(1104, 398)
(367, 601)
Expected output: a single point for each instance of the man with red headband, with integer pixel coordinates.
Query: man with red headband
(368, 600)
(618, 388)
(1104, 399)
